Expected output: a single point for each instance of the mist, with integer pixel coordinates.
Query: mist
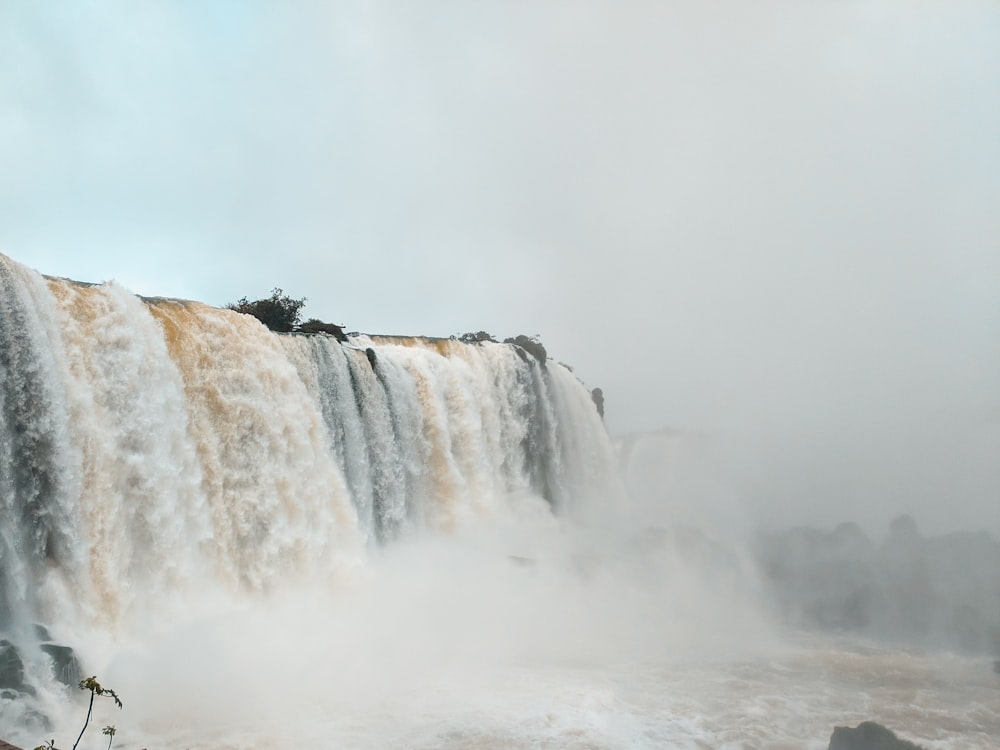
(767, 230)
(773, 222)
(437, 639)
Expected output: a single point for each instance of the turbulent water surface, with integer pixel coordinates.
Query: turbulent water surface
(268, 540)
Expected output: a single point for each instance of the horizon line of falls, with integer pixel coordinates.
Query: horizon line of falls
(149, 443)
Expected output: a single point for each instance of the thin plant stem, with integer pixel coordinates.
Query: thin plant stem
(90, 710)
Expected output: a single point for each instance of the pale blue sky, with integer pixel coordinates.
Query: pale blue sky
(778, 217)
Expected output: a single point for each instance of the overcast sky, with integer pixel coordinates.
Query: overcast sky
(777, 219)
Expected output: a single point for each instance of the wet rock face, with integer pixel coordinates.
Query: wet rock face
(65, 665)
(598, 396)
(14, 683)
(11, 667)
(868, 736)
(41, 632)
(531, 346)
(16, 689)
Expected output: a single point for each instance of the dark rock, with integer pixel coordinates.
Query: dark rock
(41, 632)
(314, 325)
(476, 338)
(598, 396)
(531, 346)
(868, 736)
(372, 358)
(11, 666)
(65, 665)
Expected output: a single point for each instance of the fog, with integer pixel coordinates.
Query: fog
(513, 629)
(770, 222)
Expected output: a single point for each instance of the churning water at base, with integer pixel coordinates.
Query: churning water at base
(266, 541)
(525, 634)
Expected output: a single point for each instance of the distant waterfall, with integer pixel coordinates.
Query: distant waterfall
(146, 443)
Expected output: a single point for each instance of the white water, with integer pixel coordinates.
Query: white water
(445, 642)
(263, 541)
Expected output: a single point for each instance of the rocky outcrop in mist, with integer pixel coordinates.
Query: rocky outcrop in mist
(868, 736)
(934, 590)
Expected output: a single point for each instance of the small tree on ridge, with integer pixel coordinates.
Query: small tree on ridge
(279, 312)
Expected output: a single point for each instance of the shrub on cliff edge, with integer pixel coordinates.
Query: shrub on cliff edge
(279, 312)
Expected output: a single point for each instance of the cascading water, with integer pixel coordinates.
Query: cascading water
(152, 448)
(277, 541)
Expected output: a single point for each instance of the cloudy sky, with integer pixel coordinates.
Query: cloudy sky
(773, 219)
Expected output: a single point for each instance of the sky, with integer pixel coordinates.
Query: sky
(777, 221)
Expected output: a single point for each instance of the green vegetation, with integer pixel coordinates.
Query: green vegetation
(475, 338)
(281, 313)
(526, 345)
(96, 691)
(315, 325)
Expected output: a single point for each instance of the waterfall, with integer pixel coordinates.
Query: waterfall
(146, 444)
